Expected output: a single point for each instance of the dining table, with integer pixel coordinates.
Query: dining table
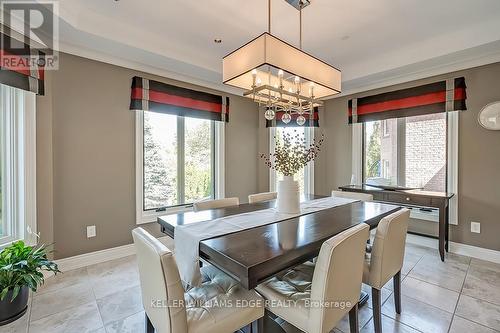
(251, 256)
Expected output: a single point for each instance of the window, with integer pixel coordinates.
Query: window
(386, 127)
(178, 162)
(415, 156)
(306, 176)
(17, 165)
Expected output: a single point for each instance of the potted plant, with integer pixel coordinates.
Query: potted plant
(21, 270)
(291, 154)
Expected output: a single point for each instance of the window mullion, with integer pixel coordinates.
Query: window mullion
(181, 181)
(401, 149)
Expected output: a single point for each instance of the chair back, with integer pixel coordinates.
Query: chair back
(388, 249)
(337, 278)
(353, 195)
(259, 197)
(162, 290)
(214, 204)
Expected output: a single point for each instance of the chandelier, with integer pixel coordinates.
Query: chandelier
(281, 77)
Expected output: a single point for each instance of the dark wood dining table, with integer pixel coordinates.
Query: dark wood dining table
(253, 255)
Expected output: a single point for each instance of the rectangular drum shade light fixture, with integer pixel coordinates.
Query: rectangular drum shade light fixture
(270, 59)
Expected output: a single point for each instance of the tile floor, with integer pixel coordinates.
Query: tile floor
(460, 295)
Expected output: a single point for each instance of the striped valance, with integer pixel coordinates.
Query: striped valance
(443, 96)
(312, 120)
(21, 66)
(149, 95)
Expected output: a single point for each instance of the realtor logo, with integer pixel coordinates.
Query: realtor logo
(30, 31)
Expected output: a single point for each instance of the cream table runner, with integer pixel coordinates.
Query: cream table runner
(188, 237)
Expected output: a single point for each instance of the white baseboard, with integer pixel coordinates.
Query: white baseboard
(92, 258)
(457, 248)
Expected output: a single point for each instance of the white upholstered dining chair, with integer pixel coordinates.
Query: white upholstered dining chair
(321, 295)
(386, 260)
(259, 197)
(214, 204)
(171, 309)
(353, 195)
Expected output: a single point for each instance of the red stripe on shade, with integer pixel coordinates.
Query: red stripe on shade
(137, 93)
(14, 63)
(409, 102)
(186, 102)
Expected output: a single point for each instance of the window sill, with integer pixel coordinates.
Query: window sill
(152, 216)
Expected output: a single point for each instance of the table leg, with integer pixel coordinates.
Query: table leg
(442, 230)
(447, 227)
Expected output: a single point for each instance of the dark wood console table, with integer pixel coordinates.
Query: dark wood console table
(415, 198)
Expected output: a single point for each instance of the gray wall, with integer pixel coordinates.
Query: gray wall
(479, 155)
(86, 155)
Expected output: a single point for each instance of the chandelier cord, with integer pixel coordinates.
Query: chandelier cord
(300, 29)
(269, 16)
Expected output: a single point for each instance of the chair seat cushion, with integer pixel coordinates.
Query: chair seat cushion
(216, 305)
(287, 294)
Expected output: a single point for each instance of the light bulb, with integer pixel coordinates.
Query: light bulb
(269, 114)
(290, 90)
(297, 80)
(258, 82)
(301, 120)
(286, 118)
(254, 72)
(280, 73)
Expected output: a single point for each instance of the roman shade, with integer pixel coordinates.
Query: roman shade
(443, 96)
(21, 66)
(312, 120)
(149, 95)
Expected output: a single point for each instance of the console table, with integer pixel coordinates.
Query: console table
(413, 198)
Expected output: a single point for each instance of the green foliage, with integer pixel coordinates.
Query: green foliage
(21, 265)
(291, 153)
(197, 168)
(373, 152)
(160, 184)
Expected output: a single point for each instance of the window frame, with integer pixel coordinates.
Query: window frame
(19, 147)
(148, 216)
(452, 137)
(308, 170)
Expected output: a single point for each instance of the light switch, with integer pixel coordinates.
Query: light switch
(475, 227)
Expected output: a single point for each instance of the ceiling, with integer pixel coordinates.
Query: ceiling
(372, 42)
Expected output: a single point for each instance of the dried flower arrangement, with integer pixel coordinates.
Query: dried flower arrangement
(292, 153)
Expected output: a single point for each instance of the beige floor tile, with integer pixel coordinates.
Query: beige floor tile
(113, 276)
(461, 325)
(84, 318)
(449, 274)
(419, 315)
(485, 264)
(431, 294)
(60, 300)
(62, 280)
(389, 325)
(120, 305)
(483, 283)
(478, 311)
(132, 324)
(365, 313)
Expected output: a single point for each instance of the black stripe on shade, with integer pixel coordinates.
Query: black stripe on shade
(20, 81)
(293, 123)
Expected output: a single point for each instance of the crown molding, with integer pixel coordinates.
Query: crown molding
(142, 67)
(461, 60)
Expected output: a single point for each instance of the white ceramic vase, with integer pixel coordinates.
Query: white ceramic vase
(288, 196)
